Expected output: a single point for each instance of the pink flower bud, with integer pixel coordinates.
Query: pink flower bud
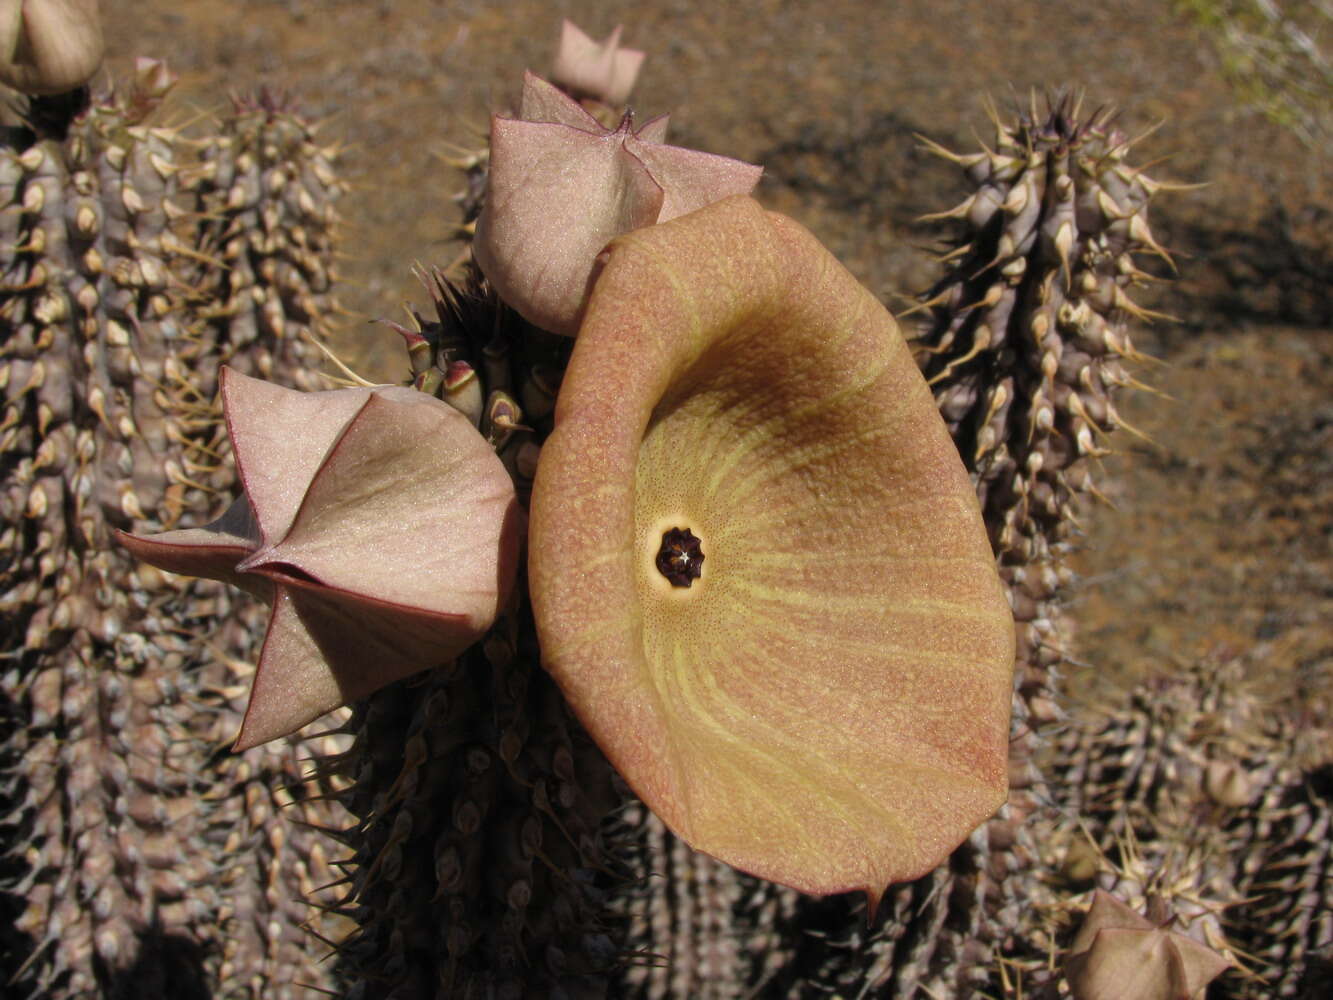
(49, 46)
(562, 186)
(377, 523)
(602, 71)
(1119, 954)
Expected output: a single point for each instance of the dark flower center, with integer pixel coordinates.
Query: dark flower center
(680, 559)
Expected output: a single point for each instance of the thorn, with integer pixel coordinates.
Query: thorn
(965, 161)
(1124, 302)
(1153, 185)
(1064, 242)
(1129, 144)
(1131, 382)
(1077, 110)
(328, 353)
(931, 303)
(1109, 208)
(1119, 421)
(980, 341)
(993, 113)
(1141, 233)
(993, 294)
(32, 957)
(308, 986)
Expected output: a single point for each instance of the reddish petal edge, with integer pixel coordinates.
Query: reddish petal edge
(318, 654)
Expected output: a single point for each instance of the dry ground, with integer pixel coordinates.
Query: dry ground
(1220, 532)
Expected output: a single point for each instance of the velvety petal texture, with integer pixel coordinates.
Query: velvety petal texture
(379, 525)
(561, 186)
(49, 46)
(827, 703)
(1119, 954)
(600, 70)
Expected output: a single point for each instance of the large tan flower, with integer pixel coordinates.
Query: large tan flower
(758, 568)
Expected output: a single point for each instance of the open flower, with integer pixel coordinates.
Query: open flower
(562, 186)
(377, 523)
(1119, 954)
(600, 70)
(49, 46)
(758, 568)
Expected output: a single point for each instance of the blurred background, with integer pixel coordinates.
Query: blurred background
(1216, 536)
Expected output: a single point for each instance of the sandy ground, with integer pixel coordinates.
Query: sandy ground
(1220, 530)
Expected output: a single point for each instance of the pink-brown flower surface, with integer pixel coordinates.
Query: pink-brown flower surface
(49, 46)
(377, 523)
(758, 567)
(602, 71)
(562, 186)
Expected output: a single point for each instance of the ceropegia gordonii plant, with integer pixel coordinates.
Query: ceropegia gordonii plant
(49, 46)
(757, 565)
(600, 71)
(562, 186)
(343, 490)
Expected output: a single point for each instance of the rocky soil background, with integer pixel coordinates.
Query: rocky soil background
(1217, 532)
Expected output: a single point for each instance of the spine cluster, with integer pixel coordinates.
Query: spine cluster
(1026, 346)
(268, 191)
(1195, 793)
(477, 865)
(140, 858)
